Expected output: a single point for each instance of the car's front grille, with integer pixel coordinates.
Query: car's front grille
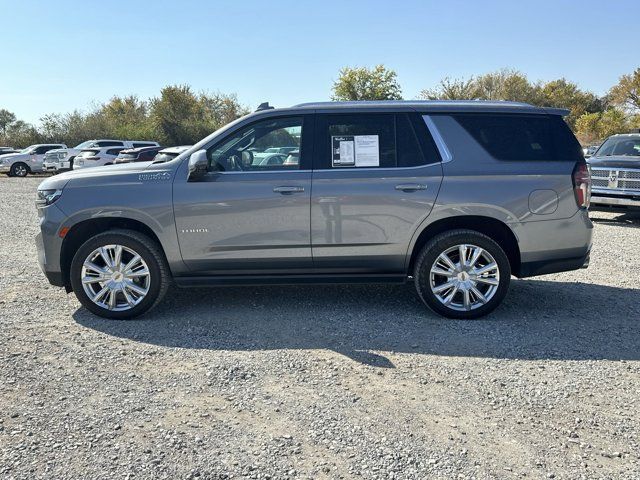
(615, 178)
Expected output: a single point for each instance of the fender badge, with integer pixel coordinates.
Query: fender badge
(194, 230)
(154, 177)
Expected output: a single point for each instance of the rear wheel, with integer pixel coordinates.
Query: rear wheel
(19, 170)
(119, 274)
(462, 274)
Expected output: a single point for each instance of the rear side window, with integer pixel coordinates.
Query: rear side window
(114, 151)
(522, 137)
(138, 145)
(373, 141)
(109, 143)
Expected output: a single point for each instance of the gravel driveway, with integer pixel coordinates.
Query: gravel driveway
(321, 381)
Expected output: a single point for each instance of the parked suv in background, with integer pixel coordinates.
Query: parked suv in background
(62, 159)
(26, 161)
(7, 150)
(141, 154)
(615, 173)
(96, 157)
(453, 196)
(147, 154)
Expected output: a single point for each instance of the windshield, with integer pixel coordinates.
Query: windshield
(88, 153)
(623, 146)
(28, 149)
(82, 145)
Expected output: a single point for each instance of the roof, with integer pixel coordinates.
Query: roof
(434, 106)
(142, 149)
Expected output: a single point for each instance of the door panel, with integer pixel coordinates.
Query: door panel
(250, 213)
(237, 223)
(360, 221)
(363, 218)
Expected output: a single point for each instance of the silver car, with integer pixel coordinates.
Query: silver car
(29, 160)
(455, 197)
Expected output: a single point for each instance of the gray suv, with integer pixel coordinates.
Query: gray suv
(454, 196)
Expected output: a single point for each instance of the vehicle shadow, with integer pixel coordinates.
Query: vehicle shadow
(538, 320)
(625, 219)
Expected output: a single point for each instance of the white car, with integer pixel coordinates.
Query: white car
(27, 161)
(62, 159)
(96, 157)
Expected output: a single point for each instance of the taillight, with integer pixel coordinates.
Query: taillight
(582, 185)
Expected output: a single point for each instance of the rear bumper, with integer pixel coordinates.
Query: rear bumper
(543, 267)
(552, 246)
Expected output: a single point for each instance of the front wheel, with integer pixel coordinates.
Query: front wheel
(462, 274)
(18, 170)
(119, 274)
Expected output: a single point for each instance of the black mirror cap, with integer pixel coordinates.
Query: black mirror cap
(198, 165)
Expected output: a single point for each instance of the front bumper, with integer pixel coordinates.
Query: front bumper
(49, 244)
(600, 202)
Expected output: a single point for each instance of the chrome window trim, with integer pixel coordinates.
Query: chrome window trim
(437, 137)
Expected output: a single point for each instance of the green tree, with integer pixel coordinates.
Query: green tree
(626, 93)
(362, 83)
(6, 119)
(595, 127)
(178, 116)
(564, 94)
(452, 89)
(128, 118)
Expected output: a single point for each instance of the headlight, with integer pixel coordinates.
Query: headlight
(47, 197)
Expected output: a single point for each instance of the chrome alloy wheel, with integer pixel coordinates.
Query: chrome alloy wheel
(464, 277)
(20, 171)
(115, 277)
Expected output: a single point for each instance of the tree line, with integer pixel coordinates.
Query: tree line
(592, 118)
(180, 116)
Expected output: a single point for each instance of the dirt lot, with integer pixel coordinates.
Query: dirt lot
(321, 382)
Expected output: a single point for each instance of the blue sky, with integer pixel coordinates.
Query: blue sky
(60, 55)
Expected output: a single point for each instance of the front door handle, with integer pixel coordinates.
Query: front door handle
(288, 190)
(411, 187)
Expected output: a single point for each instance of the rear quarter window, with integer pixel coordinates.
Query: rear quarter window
(522, 137)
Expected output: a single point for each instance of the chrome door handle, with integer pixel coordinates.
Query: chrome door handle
(411, 187)
(287, 190)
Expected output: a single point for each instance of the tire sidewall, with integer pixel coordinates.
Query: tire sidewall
(445, 241)
(127, 241)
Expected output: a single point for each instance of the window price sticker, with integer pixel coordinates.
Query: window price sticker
(355, 151)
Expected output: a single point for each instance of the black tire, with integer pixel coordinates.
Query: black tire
(146, 248)
(19, 169)
(445, 241)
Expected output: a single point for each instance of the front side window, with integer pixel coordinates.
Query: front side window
(270, 144)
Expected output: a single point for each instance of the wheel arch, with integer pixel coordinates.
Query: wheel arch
(491, 227)
(83, 230)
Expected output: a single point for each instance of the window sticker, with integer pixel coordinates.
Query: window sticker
(355, 150)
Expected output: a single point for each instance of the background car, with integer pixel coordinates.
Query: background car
(62, 159)
(96, 157)
(28, 160)
(170, 153)
(590, 150)
(7, 150)
(141, 154)
(615, 174)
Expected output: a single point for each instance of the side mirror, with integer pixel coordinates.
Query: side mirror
(198, 165)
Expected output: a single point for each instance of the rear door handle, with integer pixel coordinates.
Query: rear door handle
(411, 187)
(288, 190)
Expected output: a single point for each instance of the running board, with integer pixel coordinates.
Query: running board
(233, 280)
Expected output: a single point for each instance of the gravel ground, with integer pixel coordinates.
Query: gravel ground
(321, 381)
